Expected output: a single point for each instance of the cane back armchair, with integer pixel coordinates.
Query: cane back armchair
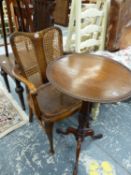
(32, 53)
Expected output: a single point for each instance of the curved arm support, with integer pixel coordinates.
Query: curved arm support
(32, 90)
(31, 87)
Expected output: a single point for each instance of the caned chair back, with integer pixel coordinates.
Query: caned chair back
(52, 43)
(28, 52)
(33, 51)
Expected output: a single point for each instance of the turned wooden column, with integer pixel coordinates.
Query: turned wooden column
(4, 75)
(23, 11)
(8, 2)
(19, 90)
(43, 11)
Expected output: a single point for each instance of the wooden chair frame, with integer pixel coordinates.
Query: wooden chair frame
(47, 120)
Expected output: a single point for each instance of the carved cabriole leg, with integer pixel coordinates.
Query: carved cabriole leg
(4, 75)
(78, 149)
(49, 131)
(19, 90)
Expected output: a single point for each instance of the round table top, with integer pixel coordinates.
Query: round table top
(90, 78)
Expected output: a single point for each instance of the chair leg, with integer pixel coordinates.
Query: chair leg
(19, 90)
(30, 114)
(49, 131)
(4, 75)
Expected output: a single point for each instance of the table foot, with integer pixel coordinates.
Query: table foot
(98, 136)
(82, 131)
(75, 170)
(79, 134)
(67, 131)
(78, 149)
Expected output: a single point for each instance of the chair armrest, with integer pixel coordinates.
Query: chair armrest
(32, 90)
(17, 74)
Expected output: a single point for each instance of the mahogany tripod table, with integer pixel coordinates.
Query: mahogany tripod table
(91, 78)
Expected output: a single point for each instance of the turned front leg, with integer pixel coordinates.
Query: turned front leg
(19, 90)
(4, 75)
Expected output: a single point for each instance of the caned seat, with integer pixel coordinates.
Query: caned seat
(56, 103)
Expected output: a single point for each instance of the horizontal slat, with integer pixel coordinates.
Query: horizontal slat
(87, 35)
(87, 6)
(92, 12)
(89, 43)
(90, 29)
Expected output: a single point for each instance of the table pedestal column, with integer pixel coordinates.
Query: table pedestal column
(82, 131)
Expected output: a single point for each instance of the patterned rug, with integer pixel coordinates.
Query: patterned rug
(11, 115)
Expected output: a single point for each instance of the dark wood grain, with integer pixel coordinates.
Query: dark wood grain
(119, 17)
(43, 14)
(91, 78)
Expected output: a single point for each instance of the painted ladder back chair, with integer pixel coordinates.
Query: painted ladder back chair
(87, 25)
(33, 51)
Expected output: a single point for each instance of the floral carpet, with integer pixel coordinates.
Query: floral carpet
(11, 115)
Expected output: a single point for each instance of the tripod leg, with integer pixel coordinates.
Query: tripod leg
(78, 149)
